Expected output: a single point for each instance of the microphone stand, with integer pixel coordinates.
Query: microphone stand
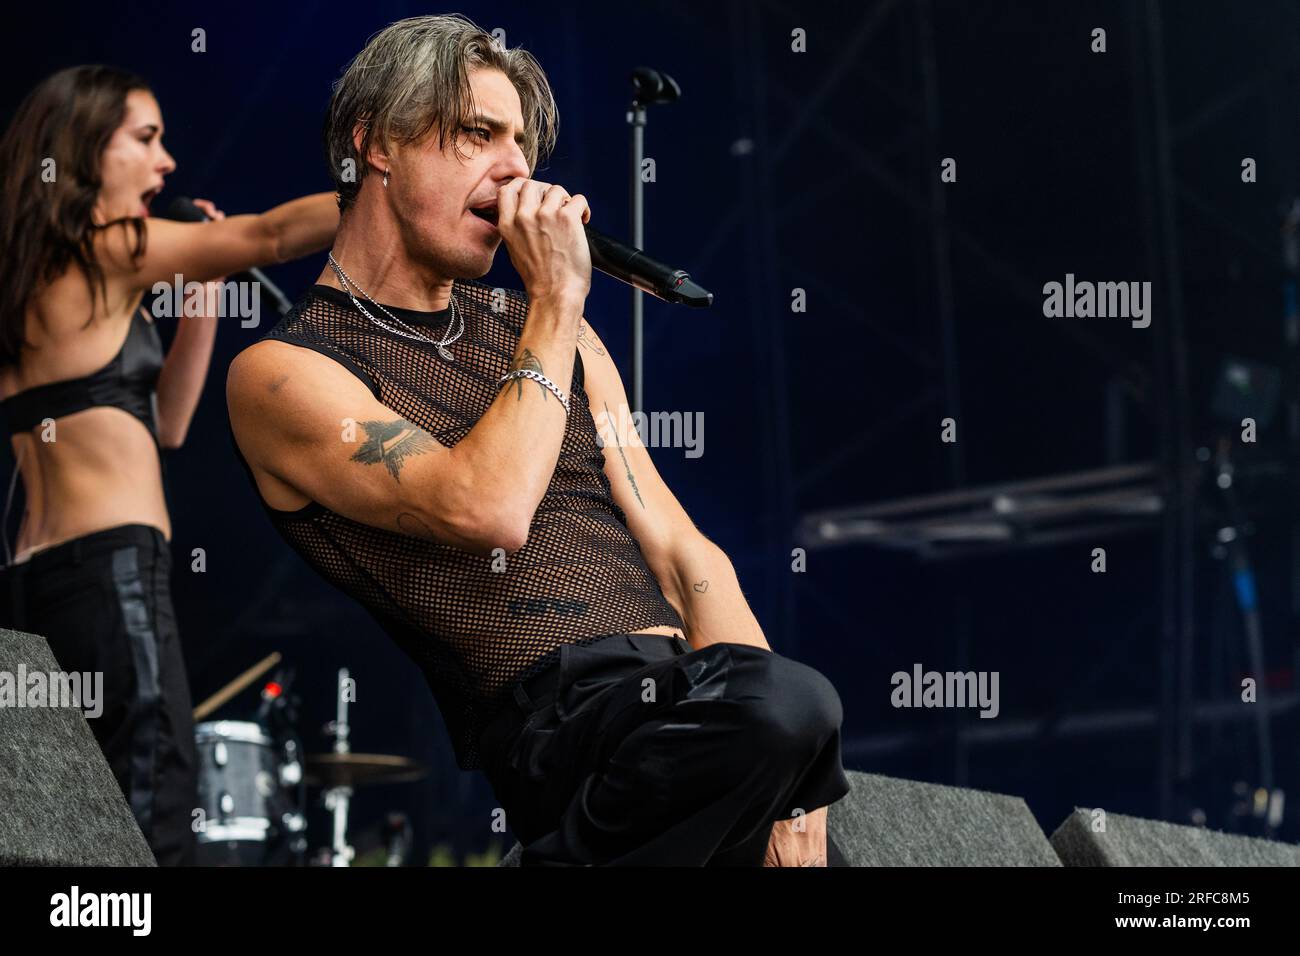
(648, 87)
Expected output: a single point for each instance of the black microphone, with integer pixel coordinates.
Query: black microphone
(182, 209)
(651, 86)
(631, 265)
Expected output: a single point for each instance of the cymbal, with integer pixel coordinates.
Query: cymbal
(360, 770)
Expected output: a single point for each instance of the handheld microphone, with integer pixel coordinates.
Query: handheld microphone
(631, 265)
(182, 209)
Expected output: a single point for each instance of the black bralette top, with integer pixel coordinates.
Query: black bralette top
(126, 382)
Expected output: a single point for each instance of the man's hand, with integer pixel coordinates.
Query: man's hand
(541, 225)
(789, 846)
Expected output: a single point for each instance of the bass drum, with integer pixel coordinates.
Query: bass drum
(249, 811)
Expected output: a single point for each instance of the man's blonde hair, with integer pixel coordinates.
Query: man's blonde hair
(413, 78)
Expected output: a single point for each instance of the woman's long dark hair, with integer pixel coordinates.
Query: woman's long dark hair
(45, 211)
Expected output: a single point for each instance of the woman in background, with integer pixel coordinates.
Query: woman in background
(91, 401)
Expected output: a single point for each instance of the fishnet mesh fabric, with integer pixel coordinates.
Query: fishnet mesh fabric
(473, 631)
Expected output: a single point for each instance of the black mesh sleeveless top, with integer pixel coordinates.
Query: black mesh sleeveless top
(474, 632)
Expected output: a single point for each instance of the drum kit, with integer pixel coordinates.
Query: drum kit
(254, 779)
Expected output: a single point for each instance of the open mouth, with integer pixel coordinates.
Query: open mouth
(486, 213)
(148, 195)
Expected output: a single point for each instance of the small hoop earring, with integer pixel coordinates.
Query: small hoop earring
(385, 179)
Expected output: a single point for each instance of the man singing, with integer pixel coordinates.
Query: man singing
(430, 446)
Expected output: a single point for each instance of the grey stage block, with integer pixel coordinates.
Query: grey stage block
(884, 821)
(59, 803)
(512, 857)
(888, 822)
(1132, 841)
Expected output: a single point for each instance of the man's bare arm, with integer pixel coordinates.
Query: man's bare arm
(312, 431)
(695, 575)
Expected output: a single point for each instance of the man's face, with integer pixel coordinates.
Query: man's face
(431, 192)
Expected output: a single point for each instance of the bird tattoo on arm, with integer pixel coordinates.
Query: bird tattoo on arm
(392, 443)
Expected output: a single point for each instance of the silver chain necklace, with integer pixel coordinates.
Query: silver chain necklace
(447, 339)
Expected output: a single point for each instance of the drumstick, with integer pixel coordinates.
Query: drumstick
(236, 685)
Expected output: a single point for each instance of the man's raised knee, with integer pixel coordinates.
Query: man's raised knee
(790, 705)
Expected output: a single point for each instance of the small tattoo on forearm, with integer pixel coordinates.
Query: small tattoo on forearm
(526, 361)
(619, 445)
(588, 342)
(391, 443)
(701, 586)
(409, 524)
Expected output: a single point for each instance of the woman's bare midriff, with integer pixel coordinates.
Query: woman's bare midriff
(94, 469)
(99, 470)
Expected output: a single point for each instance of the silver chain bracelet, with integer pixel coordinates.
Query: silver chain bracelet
(537, 377)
